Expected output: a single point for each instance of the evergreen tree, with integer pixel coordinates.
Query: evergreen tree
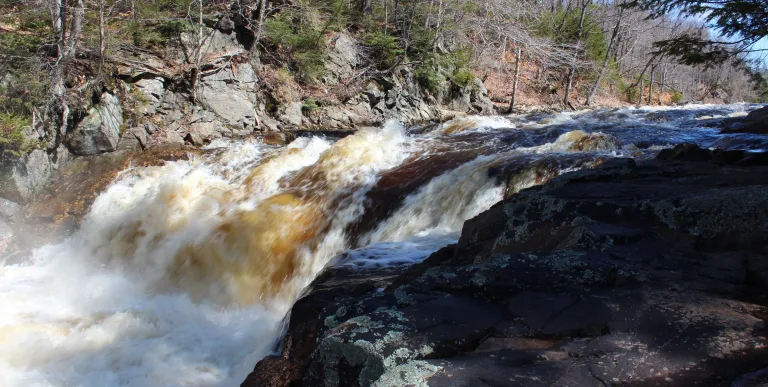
(740, 24)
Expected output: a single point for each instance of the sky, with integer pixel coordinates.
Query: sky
(762, 44)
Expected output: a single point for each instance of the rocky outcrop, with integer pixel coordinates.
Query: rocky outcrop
(23, 178)
(155, 103)
(633, 273)
(755, 122)
(99, 131)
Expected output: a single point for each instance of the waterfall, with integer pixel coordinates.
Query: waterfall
(180, 274)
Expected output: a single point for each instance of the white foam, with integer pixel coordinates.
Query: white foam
(120, 303)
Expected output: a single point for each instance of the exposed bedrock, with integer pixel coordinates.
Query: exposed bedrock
(632, 273)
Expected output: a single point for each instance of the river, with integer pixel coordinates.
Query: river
(181, 274)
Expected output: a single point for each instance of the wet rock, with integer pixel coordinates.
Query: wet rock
(634, 273)
(659, 117)
(275, 138)
(755, 122)
(99, 131)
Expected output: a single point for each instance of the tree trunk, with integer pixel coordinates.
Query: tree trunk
(262, 12)
(606, 59)
(572, 70)
(135, 20)
(102, 42)
(640, 78)
(515, 82)
(650, 86)
(642, 90)
(56, 21)
(503, 53)
(195, 77)
(437, 28)
(57, 111)
(661, 84)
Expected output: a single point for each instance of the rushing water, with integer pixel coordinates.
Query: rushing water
(180, 274)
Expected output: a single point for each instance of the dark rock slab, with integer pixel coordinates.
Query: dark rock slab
(755, 122)
(634, 273)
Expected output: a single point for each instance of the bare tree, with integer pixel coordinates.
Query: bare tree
(515, 82)
(614, 34)
(572, 70)
(57, 112)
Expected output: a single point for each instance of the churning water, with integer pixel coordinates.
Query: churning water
(180, 274)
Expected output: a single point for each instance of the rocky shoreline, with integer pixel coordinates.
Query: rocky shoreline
(642, 273)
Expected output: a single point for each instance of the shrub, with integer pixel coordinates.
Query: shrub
(300, 44)
(462, 78)
(562, 27)
(429, 78)
(309, 105)
(385, 48)
(13, 142)
(677, 96)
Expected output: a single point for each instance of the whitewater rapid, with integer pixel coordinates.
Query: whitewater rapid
(181, 274)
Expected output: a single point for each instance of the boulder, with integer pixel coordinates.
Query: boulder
(9, 209)
(167, 138)
(99, 131)
(755, 122)
(23, 178)
(152, 89)
(633, 273)
(134, 139)
(291, 114)
(229, 93)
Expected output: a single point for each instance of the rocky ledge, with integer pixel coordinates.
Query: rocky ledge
(634, 273)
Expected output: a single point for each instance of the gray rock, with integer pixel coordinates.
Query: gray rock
(166, 138)
(291, 114)
(200, 133)
(141, 134)
(99, 131)
(229, 94)
(150, 128)
(269, 124)
(343, 58)
(153, 90)
(9, 209)
(134, 139)
(26, 176)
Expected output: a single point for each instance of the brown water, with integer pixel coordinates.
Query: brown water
(179, 272)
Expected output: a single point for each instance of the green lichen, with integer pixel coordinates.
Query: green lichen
(413, 373)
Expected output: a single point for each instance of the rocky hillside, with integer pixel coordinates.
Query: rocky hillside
(633, 273)
(150, 103)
